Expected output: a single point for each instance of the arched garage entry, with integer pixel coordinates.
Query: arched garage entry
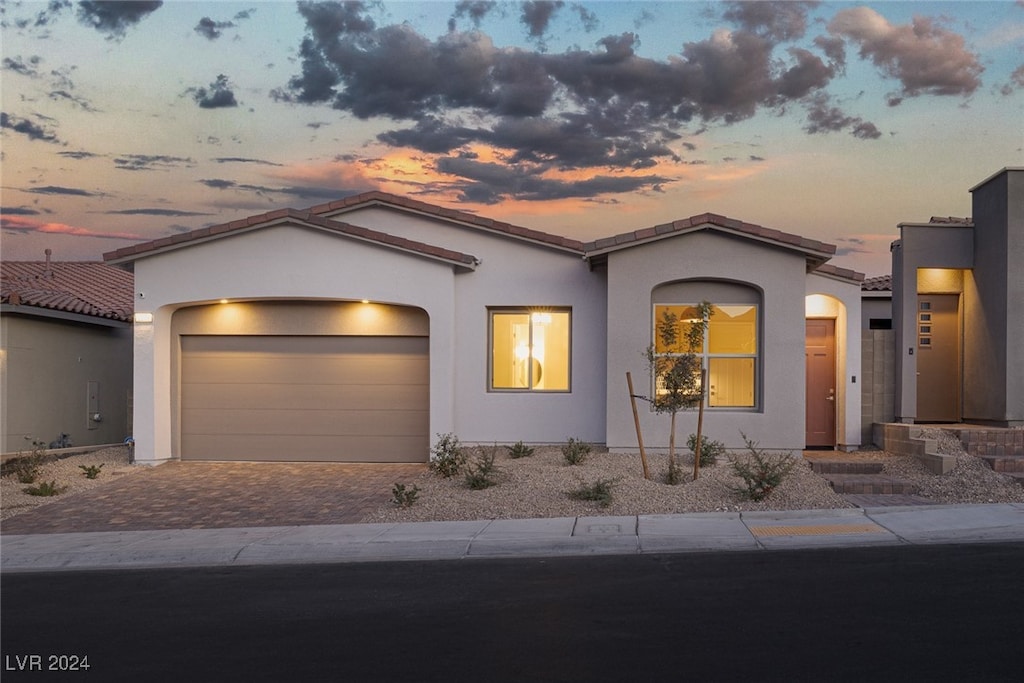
(297, 381)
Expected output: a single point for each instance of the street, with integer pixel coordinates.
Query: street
(922, 613)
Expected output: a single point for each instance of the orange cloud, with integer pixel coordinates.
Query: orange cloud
(26, 225)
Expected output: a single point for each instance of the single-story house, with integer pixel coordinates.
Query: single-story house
(65, 353)
(958, 311)
(361, 329)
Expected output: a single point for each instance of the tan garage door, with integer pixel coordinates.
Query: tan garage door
(304, 398)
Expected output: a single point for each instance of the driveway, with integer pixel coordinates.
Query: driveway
(201, 495)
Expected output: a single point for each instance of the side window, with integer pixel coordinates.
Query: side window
(529, 349)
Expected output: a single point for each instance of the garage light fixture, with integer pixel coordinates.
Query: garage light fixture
(143, 317)
(365, 301)
(223, 301)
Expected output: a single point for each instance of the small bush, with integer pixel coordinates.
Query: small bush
(45, 488)
(575, 451)
(761, 474)
(710, 450)
(91, 471)
(519, 450)
(404, 497)
(26, 468)
(599, 492)
(480, 473)
(448, 456)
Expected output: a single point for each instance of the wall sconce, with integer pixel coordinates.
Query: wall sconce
(143, 317)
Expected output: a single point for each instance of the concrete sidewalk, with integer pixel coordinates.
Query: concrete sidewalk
(701, 532)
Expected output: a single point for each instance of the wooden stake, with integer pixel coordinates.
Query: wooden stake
(636, 421)
(700, 424)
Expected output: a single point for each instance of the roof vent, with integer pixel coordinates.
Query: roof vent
(47, 272)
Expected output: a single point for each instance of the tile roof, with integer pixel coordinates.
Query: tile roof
(131, 252)
(701, 222)
(841, 273)
(882, 283)
(954, 220)
(399, 202)
(85, 287)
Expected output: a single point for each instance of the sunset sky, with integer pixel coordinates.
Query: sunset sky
(128, 121)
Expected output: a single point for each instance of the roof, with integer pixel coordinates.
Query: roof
(280, 216)
(817, 252)
(88, 288)
(840, 273)
(404, 203)
(882, 283)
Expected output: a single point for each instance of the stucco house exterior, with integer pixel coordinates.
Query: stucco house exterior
(958, 311)
(360, 329)
(65, 353)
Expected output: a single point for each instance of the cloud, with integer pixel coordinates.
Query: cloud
(114, 18)
(19, 211)
(24, 225)
(80, 102)
(147, 162)
(70, 191)
(79, 155)
(244, 160)
(33, 131)
(29, 67)
(536, 15)
(476, 10)
(155, 212)
(212, 30)
(298, 191)
(923, 56)
(781, 20)
(1015, 83)
(822, 117)
(219, 95)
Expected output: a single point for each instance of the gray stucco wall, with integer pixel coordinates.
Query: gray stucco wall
(780, 275)
(47, 364)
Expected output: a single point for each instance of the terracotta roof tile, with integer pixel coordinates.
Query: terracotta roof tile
(86, 287)
(882, 283)
(843, 273)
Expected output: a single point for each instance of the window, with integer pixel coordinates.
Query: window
(529, 349)
(729, 354)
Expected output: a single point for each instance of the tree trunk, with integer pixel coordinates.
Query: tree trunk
(700, 425)
(672, 442)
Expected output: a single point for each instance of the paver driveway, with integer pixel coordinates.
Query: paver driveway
(200, 495)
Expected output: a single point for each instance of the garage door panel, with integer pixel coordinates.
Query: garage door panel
(298, 422)
(360, 369)
(310, 397)
(305, 398)
(308, 448)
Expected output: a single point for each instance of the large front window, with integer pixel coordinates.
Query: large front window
(729, 352)
(529, 349)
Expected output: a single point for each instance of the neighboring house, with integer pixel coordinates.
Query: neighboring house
(958, 311)
(361, 329)
(66, 359)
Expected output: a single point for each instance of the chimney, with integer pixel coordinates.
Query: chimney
(47, 272)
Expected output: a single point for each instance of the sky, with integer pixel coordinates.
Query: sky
(129, 121)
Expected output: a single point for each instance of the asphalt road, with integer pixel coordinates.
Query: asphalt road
(922, 613)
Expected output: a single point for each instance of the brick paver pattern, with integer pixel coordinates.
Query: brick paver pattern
(205, 495)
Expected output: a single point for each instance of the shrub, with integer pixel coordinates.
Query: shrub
(575, 451)
(404, 497)
(710, 450)
(45, 488)
(599, 492)
(761, 474)
(91, 471)
(480, 473)
(26, 468)
(448, 456)
(519, 450)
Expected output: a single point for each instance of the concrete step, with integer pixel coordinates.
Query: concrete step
(845, 467)
(869, 483)
(1004, 463)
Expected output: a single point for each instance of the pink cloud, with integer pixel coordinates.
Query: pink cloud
(26, 225)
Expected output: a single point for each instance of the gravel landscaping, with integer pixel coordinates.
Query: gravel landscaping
(538, 486)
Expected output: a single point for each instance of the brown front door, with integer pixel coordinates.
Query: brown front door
(938, 358)
(821, 383)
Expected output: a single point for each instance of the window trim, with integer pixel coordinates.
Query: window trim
(529, 311)
(706, 356)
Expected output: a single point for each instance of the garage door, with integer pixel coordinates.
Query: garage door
(305, 398)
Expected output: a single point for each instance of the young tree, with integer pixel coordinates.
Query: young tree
(675, 363)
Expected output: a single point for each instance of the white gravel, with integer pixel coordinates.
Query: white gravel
(65, 472)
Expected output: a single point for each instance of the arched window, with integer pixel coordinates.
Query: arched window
(732, 348)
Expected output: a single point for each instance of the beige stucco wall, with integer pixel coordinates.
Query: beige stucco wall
(780, 275)
(46, 364)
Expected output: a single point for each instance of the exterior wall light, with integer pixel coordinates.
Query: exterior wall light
(143, 317)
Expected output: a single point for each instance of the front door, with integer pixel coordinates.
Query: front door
(938, 358)
(821, 383)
